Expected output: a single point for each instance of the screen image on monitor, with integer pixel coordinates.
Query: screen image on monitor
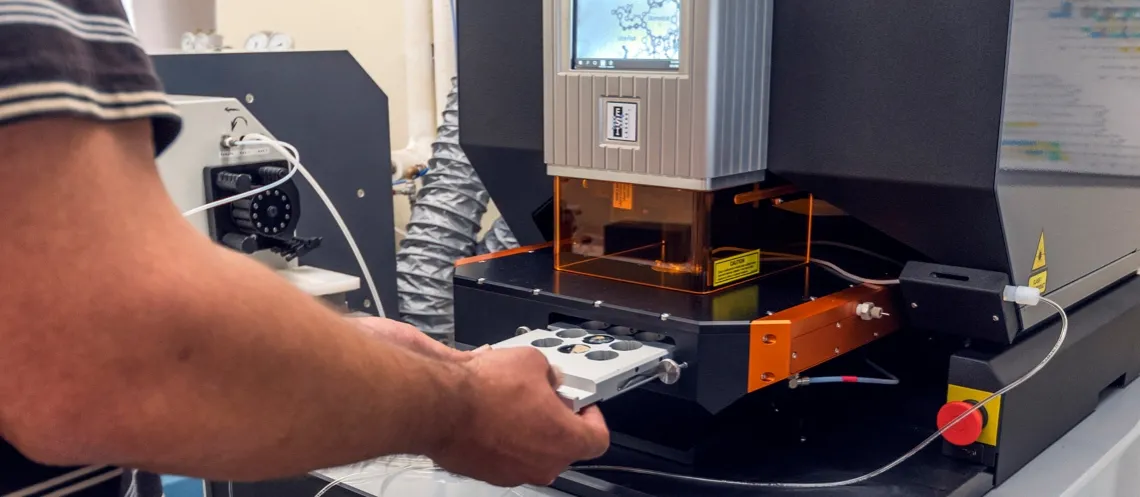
(627, 34)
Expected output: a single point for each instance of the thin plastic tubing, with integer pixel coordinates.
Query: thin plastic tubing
(282, 148)
(889, 380)
(347, 236)
(852, 379)
(851, 277)
(294, 158)
(854, 481)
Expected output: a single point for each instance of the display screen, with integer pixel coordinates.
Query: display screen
(627, 34)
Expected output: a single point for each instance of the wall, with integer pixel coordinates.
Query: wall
(373, 30)
(160, 23)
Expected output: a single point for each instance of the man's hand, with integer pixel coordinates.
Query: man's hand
(408, 337)
(516, 429)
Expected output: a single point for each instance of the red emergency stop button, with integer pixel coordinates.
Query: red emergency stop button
(968, 430)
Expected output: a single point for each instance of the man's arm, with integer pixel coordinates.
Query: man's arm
(131, 339)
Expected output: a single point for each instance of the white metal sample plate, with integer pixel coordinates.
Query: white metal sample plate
(596, 366)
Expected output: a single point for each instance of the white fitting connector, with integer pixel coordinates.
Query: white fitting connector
(1022, 295)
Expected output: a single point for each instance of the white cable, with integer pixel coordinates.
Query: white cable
(344, 479)
(347, 236)
(853, 248)
(391, 478)
(369, 471)
(830, 266)
(294, 158)
(256, 139)
(851, 277)
(854, 481)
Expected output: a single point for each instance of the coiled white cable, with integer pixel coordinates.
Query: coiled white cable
(286, 150)
(854, 481)
(389, 474)
(294, 158)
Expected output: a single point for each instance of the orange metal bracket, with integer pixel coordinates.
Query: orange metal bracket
(805, 336)
(505, 253)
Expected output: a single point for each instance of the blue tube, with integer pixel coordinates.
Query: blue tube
(851, 379)
(889, 380)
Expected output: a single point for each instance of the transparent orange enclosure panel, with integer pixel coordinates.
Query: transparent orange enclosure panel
(691, 241)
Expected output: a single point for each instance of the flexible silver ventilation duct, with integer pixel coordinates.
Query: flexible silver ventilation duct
(498, 238)
(443, 228)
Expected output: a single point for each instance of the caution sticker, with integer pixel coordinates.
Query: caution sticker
(623, 196)
(1039, 261)
(1040, 281)
(736, 268)
(1039, 277)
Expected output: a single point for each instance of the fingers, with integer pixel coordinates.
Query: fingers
(531, 358)
(555, 376)
(593, 433)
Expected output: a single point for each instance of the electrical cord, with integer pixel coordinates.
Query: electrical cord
(854, 481)
(294, 158)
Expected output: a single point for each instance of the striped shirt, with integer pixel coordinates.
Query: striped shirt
(76, 58)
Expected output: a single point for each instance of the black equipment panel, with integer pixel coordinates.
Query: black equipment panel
(327, 106)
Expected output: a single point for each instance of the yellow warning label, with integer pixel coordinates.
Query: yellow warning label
(1039, 259)
(993, 409)
(623, 196)
(1040, 281)
(736, 268)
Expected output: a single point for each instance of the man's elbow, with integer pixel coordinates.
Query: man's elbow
(68, 431)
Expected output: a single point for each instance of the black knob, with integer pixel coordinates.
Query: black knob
(233, 182)
(246, 244)
(270, 174)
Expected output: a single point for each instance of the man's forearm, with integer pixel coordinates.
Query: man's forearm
(239, 376)
(159, 350)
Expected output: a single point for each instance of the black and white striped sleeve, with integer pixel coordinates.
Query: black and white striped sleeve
(78, 58)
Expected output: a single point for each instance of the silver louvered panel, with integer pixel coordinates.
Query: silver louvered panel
(702, 128)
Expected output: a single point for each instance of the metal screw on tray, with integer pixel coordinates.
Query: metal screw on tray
(669, 372)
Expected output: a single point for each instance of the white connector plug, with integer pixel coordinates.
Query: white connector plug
(1022, 295)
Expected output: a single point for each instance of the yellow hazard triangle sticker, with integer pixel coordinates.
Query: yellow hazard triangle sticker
(1039, 261)
(1040, 273)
